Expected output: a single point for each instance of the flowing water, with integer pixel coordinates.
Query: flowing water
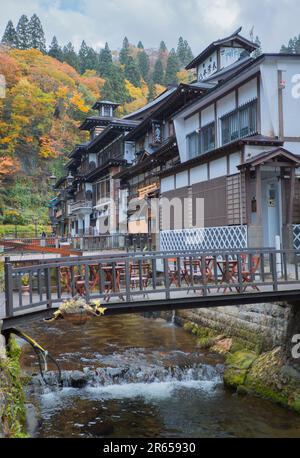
(132, 376)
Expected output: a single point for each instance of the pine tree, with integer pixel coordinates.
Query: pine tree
(55, 50)
(293, 46)
(24, 39)
(92, 60)
(172, 68)
(140, 45)
(189, 56)
(162, 47)
(132, 73)
(114, 87)
(181, 51)
(82, 57)
(70, 56)
(143, 64)
(36, 34)
(158, 73)
(151, 94)
(10, 37)
(105, 62)
(184, 52)
(124, 53)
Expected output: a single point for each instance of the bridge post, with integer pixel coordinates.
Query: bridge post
(9, 306)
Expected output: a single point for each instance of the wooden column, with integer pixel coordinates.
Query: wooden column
(291, 197)
(258, 196)
(248, 196)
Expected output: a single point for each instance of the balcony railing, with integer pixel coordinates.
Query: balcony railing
(81, 205)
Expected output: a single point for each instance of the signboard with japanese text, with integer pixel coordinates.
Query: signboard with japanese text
(208, 67)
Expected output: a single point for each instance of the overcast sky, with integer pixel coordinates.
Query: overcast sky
(198, 21)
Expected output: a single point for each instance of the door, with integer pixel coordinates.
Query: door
(271, 211)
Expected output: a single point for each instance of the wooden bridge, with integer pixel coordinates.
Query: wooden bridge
(152, 281)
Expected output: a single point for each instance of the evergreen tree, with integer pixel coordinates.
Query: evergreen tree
(181, 51)
(10, 37)
(151, 95)
(140, 45)
(143, 64)
(124, 53)
(92, 60)
(70, 56)
(114, 87)
(172, 68)
(55, 50)
(36, 34)
(162, 47)
(184, 52)
(158, 73)
(293, 46)
(132, 73)
(83, 57)
(189, 56)
(23, 35)
(105, 62)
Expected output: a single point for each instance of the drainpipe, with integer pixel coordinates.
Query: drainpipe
(278, 256)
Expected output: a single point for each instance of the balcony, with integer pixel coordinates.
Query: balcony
(82, 206)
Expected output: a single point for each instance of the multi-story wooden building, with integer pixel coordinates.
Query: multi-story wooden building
(239, 147)
(230, 140)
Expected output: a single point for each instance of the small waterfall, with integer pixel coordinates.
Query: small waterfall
(173, 316)
(108, 376)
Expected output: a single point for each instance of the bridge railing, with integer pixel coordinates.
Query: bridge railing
(146, 276)
(88, 243)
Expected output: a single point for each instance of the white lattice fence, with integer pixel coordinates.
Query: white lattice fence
(296, 234)
(211, 238)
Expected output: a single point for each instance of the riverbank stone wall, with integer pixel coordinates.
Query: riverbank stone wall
(264, 325)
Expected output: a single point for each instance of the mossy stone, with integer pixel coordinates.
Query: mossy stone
(241, 359)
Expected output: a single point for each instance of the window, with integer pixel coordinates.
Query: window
(239, 123)
(201, 142)
(208, 138)
(193, 145)
(106, 111)
(103, 189)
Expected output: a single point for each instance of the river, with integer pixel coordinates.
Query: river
(141, 377)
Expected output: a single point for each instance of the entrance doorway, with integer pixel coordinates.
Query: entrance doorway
(271, 209)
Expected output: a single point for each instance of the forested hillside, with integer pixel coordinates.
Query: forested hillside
(50, 91)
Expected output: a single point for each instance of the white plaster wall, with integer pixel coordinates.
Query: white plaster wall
(129, 151)
(182, 180)
(199, 174)
(208, 116)
(93, 157)
(167, 184)
(248, 92)
(218, 168)
(180, 132)
(291, 97)
(226, 104)
(234, 162)
(269, 100)
(252, 150)
(191, 124)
